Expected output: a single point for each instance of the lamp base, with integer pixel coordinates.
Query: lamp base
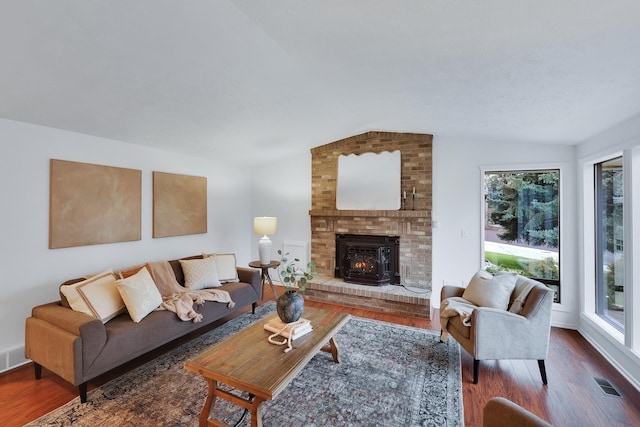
(264, 250)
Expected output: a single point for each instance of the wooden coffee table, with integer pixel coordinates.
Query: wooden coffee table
(249, 363)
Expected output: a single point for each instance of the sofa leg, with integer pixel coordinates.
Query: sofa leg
(476, 367)
(253, 308)
(82, 390)
(543, 371)
(37, 368)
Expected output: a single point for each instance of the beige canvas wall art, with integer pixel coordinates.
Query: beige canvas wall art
(93, 204)
(179, 204)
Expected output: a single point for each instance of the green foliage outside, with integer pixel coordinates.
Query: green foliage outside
(614, 278)
(535, 268)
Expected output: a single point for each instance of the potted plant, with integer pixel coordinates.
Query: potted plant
(291, 304)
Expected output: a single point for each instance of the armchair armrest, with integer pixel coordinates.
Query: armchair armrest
(499, 334)
(450, 291)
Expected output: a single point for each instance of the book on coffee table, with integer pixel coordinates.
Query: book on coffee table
(293, 331)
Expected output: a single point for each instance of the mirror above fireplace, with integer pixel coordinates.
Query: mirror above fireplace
(369, 181)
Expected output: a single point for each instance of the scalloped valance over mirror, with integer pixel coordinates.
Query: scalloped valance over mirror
(369, 181)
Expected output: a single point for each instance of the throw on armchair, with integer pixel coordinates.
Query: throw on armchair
(506, 316)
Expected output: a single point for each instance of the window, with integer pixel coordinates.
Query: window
(609, 203)
(522, 226)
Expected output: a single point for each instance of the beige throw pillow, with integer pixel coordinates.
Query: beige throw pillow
(487, 290)
(226, 267)
(140, 294)
(200, 273)
(96, 296)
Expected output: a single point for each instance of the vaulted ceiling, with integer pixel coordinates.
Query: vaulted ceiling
(262, 79)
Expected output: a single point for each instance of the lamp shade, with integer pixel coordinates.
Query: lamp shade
(265, 225)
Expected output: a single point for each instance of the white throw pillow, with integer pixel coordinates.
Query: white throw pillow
(487, 290)
(200, 273)
(96, 296)
(226, 266)
(140, 294)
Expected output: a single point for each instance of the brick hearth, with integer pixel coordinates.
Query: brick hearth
(388, 298)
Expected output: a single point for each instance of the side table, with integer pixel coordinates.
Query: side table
(265, 274)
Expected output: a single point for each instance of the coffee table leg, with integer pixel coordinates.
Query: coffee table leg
(256, 415)
(204, 415)
(333, 349)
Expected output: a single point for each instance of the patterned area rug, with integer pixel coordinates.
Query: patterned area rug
(389, 375)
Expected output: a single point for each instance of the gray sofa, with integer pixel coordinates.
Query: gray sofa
(78, 347)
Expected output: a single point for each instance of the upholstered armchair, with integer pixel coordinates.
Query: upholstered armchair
(506, 316)
(501, 412)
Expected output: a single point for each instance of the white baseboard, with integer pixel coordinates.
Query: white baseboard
(12, 359)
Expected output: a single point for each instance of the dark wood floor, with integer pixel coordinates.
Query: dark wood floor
(571, 398)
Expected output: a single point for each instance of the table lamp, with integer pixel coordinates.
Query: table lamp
(265, 225)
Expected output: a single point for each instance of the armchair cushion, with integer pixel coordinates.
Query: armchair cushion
(487, 290)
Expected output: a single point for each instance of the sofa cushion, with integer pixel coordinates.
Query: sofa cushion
(140, 294)
(487, 290)
(96, 296)
(200, 273)
(226, 266)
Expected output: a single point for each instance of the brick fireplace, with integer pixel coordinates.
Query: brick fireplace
(412, 226)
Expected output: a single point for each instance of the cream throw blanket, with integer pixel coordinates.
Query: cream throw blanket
(523, 292)
(451, 307)
(179, 299)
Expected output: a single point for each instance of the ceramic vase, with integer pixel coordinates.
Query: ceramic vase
(290, 306)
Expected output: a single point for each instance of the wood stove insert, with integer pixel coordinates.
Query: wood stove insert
(367, 259)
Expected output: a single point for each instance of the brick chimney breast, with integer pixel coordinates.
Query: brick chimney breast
(412, 224)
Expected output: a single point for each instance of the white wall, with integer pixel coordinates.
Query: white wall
(283, 190)
(624, 356)
(457, 203)
(32, 272)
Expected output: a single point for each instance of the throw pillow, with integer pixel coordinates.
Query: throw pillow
(487, 290)
(63, 299)
(200, 273)
(128, 272)
(226, 266)
(140, 294)
(96, 296)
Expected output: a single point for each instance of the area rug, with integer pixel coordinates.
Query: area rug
(389, 375)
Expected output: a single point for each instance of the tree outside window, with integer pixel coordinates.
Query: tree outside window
(522, 224)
